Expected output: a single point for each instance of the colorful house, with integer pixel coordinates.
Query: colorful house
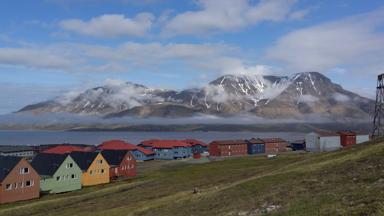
(168, 149)
(275, 145)
(198, 146)
(347, 138)
(67, 148)
(59, 173)
(140, 153)
(228, 148)
(255, 146)
(122, 163)
(94, 167)
(18, 180)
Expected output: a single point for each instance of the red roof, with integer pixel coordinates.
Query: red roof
(229, 142)
(65, 149)
(165, 143)
(122, 145)
(194, 142)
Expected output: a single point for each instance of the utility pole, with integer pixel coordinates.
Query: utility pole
(378, 129)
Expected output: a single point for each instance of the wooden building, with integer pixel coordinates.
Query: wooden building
(140, 153)
(17, 151)
(94, 167)
(347, 138)
(275, 145)
(18, 180)
(197, 146)
(122, 163)
(59, 173)
(255, 146)
(168, 149)
(221, 148)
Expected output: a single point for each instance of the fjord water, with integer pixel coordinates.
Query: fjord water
(95, 138)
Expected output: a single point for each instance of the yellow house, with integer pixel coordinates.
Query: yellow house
(95, 168)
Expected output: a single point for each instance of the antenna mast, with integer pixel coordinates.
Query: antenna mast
(378, 129)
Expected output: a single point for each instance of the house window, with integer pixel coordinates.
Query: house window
(69, 165)
(73, 176)
(29, 183)
(24, 170)
(100, 161)
(21, 184)
(8, 187)
(102, 170)
(90, 172)
(15, 185)
(58, 178)
(116, 170)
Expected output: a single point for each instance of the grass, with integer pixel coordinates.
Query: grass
(347, 182)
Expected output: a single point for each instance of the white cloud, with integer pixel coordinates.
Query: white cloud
(227, 15)
(341, 97)
(34, 58)
(355, 42)
(110, 25)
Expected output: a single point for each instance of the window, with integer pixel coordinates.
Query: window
(29, 183)
(73, 176)
(99, 161)
(102, 170)
(15, 185)
(21, 184)
(24, 170)
(8, 187)
(69, 165)
(58, 178)
(90, 172)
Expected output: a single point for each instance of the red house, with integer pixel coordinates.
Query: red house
(228, 148)
(122, 163)
(18, 180)
(275, 145)
(347, 138)
(67, 149)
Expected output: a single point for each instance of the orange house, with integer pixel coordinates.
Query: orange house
(94, 166)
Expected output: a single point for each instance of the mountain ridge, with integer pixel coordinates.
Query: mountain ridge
(268, 96)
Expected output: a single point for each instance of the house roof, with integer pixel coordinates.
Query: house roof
(194, 142)
(122, 145)
(229, 142)
(327, 133)
(347, 133)
(16, 148)
(114, 157)
(255, 141)
(7, 163)
(165, 143)
(47, 164)
(84, 159)
(65, 149)
(272, 140)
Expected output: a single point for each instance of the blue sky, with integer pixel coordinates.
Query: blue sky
(49, 47)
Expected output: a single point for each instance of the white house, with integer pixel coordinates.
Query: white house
(319, 142)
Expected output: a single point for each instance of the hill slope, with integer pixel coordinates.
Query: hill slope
(347, 182)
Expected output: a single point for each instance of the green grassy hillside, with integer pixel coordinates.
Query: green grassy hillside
(347, 182)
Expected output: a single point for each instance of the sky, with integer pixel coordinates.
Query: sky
(50, 47)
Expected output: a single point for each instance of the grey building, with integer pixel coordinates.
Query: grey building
(17, 151)
(320, 142)
(360, 138)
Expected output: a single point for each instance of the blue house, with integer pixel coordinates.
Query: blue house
(255, 146)
(142, 154)
(197, 146)
(298, 145)
(168, 149)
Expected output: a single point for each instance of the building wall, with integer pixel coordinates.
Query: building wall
(256, 148)
(140, 156)
(233, 149)
(97, 173)
(27, 154)
(312, 142)
(199, 149)
(331, 143)
(275, 147)
(127, 168)
(214, 149)
(362, 138)
(163, 154)
(19, 189)
(347, 140)
(182, 152)
(65, 179)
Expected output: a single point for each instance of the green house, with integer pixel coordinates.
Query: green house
(59, 173)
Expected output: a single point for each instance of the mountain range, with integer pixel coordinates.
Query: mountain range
(302, 95)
